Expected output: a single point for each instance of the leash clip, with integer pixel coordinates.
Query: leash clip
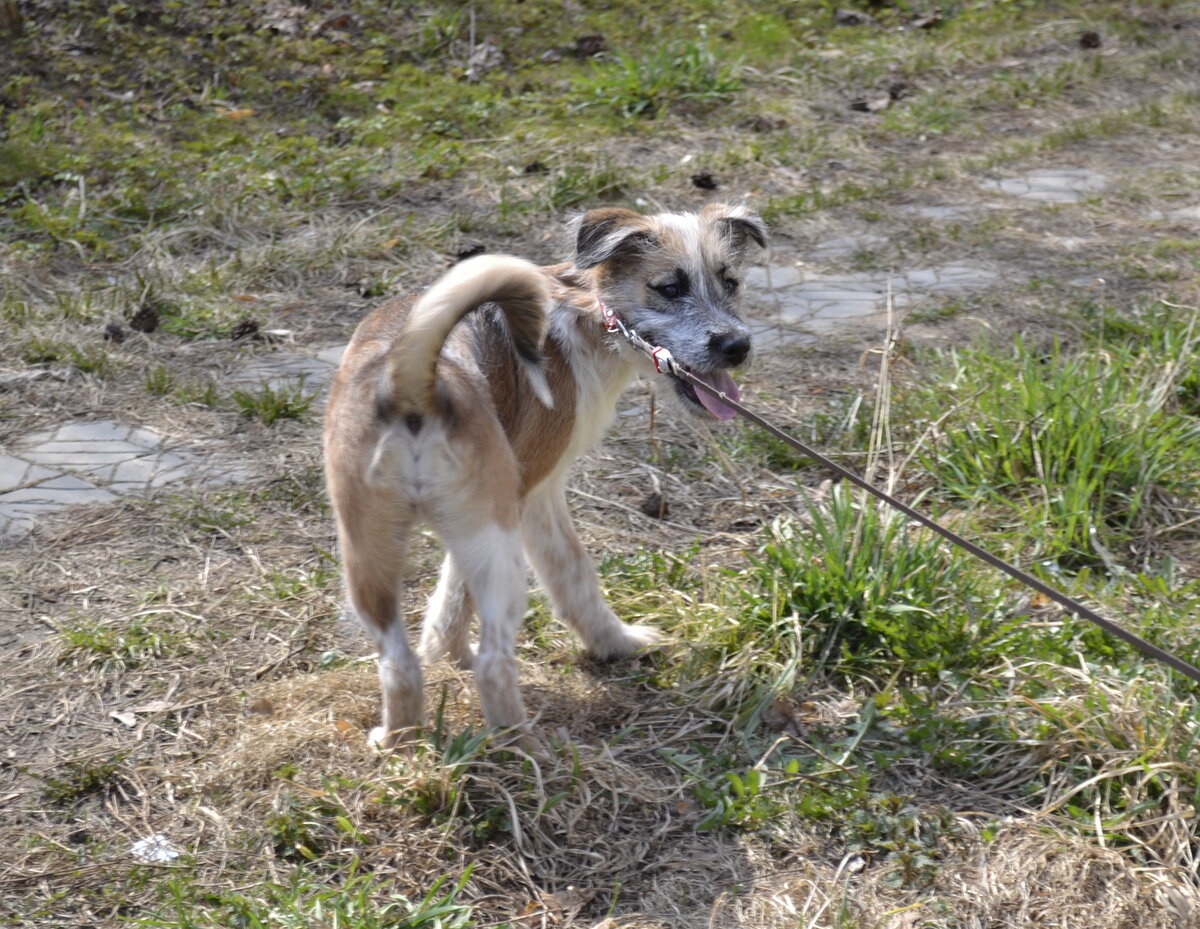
(612, 322)
(664, 361)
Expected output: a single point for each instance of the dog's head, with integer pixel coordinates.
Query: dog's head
(676, 278)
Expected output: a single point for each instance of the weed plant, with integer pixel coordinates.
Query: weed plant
(361, 900)
(1085, 449)
(645, 86)
(269, 404)
(873, 593)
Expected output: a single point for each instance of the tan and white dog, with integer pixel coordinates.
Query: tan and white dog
(464, 409)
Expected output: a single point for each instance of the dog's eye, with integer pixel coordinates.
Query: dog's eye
(731, 285)
(670, 291)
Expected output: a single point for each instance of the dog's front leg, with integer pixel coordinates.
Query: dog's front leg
(566, 572)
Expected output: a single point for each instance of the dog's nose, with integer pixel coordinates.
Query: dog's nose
(731, 347)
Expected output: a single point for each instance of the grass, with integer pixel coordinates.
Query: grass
(646, 86)
(361, 901)
(874, 593)
(79, 780)
(1088, 444)
(112, 647)
(849, 717)
(269, 404)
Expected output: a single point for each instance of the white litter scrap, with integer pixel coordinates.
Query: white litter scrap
(156, 848)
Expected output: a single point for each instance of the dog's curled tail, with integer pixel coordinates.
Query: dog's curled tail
(518, 287)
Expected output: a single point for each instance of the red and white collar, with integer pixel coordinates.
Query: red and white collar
(664, 363)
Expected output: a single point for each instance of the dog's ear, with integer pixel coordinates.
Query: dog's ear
(602, 235)
(739, 224)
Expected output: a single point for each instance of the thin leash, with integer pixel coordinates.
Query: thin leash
(664, 363)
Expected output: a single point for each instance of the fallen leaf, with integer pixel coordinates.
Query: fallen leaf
(588, 46)
(873, 104)
(337, 21)
(246, 329)
(484, 57)
(655, 506)
(853, 18)
(238, 114)
(153, 706)
(906, 919)
(145, 319)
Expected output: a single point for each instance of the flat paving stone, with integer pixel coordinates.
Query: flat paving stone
(332, 355)
(127, 459)
(106, 460)
(16, 472)
(280, 370)
(1051, 185)
(1185, 214)
(20, 509)
(938, 211)
(796, 306)
(842, 246)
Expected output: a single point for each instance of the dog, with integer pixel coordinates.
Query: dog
(465, 408)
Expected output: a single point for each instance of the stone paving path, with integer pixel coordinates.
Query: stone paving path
(99, 461)
(95, 461)
(807, 305)
(1051, 185)
(282, 368)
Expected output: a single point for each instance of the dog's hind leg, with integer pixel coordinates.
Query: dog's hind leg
(448, 619)
(565, 570)
(374, 558)
(493, 571)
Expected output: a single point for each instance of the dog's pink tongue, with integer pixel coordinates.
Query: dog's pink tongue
(718, 380)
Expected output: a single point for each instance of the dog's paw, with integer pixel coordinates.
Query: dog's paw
(380, 739)
(464, 658)
(385, 742)
(625, 640)
(433, 651)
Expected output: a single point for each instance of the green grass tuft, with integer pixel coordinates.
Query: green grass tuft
(1084, 447)
(870, 591)
(270, 404)
(646, 86)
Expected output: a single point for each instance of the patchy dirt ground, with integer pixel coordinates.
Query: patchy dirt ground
(173, 659)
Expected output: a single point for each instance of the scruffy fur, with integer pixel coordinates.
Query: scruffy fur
(464, 409)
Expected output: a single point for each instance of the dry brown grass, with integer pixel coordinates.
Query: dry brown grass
(181, 666)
